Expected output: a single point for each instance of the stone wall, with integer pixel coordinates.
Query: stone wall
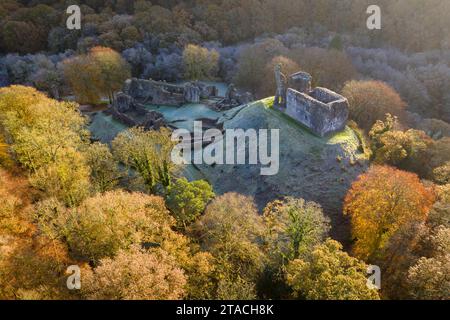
(233, 98)
(154, 92)
(300, 81)
(191, 93)
(322, 110)
(162, 93)
(122, 117)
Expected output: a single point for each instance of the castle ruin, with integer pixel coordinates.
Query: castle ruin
(150, 92)
(139, 93)
(163, 93)
(321, 110)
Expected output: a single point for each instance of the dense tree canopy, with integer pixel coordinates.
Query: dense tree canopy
(236, 246)
(229, 22)
(106, 223)
(329, 274)
(252, 63)
(411, 150)
(46, 139)
(105, 173)
(138, 231)
(328, 68)
(429, 277)
(442, 174)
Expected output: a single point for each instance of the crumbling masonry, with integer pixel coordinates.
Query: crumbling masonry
(321, 110)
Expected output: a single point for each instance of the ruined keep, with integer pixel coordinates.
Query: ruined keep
(321, 110)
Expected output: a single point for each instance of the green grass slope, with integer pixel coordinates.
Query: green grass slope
(314, 168)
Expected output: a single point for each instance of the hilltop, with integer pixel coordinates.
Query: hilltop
(313, 168)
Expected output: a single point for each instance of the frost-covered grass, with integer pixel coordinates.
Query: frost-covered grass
(104, 128)
(190, 111)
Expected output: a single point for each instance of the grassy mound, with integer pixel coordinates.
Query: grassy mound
(311, 167)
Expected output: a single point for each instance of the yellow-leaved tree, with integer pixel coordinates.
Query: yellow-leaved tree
(111, 228)
(200, 63)
(329, 274)
(46, 138)
(99, 73)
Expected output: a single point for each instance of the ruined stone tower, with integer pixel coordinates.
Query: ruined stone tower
(321, 110)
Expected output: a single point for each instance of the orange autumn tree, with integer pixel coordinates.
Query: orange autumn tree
(379, 202)
(3, 149)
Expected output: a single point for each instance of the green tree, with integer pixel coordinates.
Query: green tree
(83, 77)
(336, 43)
(440, 213)
(41, 129)
(409, 150)
(237, 289)
(147, 152)
(187, 200)
(46, 139)
(105, 173)
(21, 37)
(440, 152)
(231, 231)
(107, 223)
(328, 68)
(114, 70)
(294, 227)
(329, 274)
(250, 73)
(67, 180)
